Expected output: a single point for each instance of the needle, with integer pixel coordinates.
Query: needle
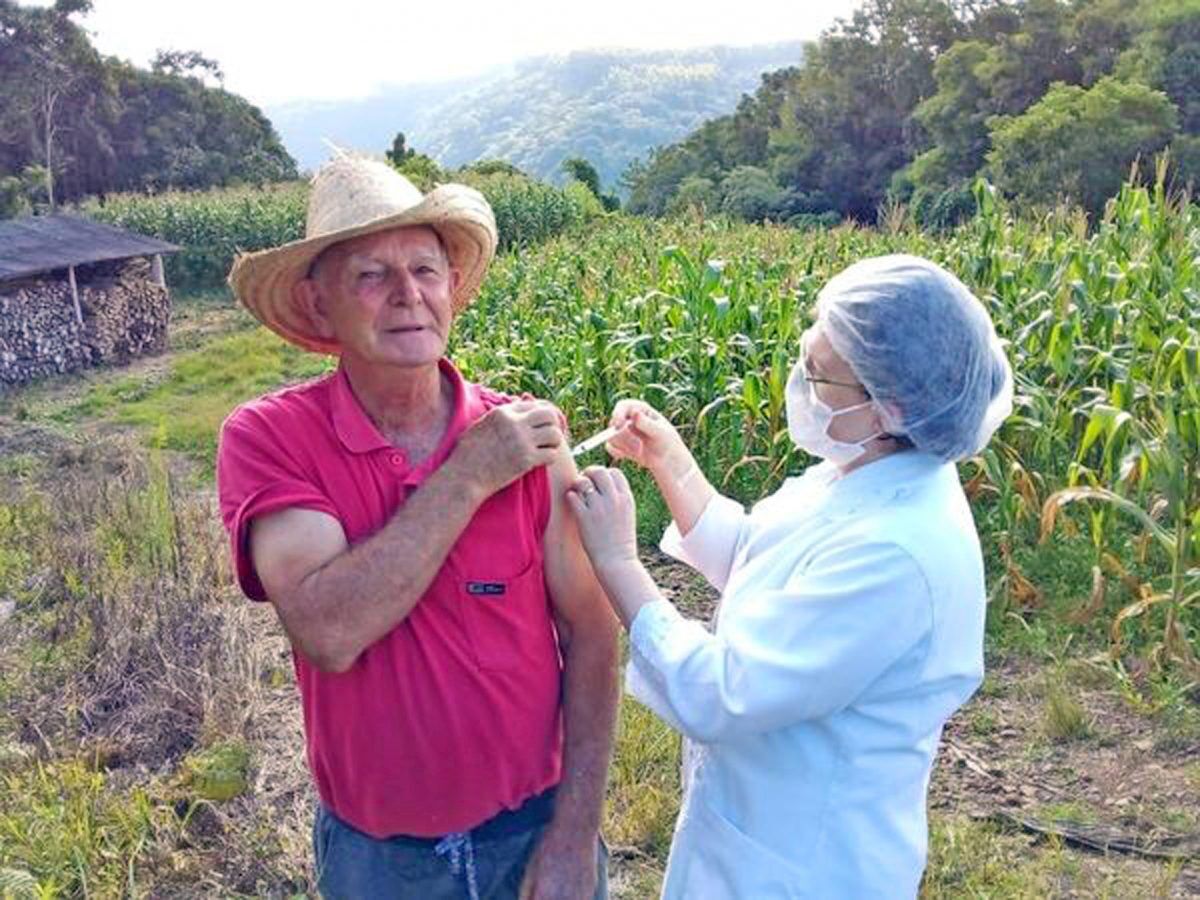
(594, 441)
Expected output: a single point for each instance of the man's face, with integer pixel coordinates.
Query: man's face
(385, 297)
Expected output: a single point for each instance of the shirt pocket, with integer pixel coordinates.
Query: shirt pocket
(508, 617)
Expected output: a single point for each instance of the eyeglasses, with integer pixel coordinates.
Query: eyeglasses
(817, 380)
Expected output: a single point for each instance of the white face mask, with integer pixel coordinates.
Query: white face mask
(809, 418)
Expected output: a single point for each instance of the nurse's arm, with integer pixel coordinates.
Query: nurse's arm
(783, 655)
(685, 489)
(587, 635)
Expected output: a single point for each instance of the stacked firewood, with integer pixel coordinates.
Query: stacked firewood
(124, 315)
(39, 335)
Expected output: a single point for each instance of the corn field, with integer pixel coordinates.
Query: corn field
(213, 226)
(1102, 454)
(1089, 497)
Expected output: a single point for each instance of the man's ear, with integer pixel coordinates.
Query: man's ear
(307, 297)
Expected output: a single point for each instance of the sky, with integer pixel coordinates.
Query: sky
(274, 52)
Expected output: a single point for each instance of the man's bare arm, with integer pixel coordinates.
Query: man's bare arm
(335, 600)
(566, 858)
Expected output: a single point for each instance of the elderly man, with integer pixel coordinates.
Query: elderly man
(455, 656)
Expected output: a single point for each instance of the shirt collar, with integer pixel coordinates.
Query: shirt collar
(359, 434)
(876, 481)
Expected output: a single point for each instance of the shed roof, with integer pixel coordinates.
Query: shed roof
(35, 244)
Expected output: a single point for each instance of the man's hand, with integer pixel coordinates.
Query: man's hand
(562, 866)
(508, 441)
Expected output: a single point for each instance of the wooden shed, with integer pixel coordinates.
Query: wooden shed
(74, 292)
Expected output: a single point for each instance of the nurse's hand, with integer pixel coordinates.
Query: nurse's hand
(648, 439)
(605, 510)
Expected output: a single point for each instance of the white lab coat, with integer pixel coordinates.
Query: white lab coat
(850, 628)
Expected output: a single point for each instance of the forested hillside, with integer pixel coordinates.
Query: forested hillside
(912, 99)
(608, 106)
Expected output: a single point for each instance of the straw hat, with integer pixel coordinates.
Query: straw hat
(352, 196)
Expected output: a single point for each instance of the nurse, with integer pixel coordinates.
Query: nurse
(851, 619)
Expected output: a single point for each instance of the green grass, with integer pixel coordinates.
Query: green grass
(1070, 811)
(117, 655)
(983, 722)
(20, 465)
(968, 858)
(182, 408)
(1192, 772)
(643, 783)
(69, 834)
(975, 859)
(219, 772)
(1064, 718)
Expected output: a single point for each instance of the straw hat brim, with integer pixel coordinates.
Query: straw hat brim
(264, 280)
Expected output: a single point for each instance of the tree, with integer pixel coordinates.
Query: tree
(695, 192)
(186, 63)
(1179, 78)
(400, 152)
(955, 118)
(750, 193)
(47, 61)
(905, 99)
(1022, 65)
(581, 170)
(493, 167)
(173, 132)
(418, 168)
(845, 124)
(1166, 55)
(1078, 143)
(1185, 157)
(94, 125)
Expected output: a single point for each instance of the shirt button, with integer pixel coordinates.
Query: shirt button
(396, 459)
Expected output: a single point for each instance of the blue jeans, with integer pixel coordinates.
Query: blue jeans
(352, 865)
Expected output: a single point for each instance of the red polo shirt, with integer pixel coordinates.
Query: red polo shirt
(454, 714)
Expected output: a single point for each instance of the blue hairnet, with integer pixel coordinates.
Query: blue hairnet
(924, 347)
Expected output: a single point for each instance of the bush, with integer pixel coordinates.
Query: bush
(695, 192)
(751, 193)
(1185, 158)
(808, 221)
(1078, 144)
